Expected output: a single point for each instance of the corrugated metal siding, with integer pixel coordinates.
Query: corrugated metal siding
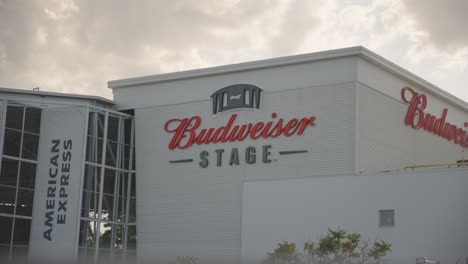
(285, 77)
(386, 143)
(183, 210)
(330, 143)
(186, 210)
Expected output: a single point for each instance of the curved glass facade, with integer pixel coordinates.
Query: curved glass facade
(108, 201)
(17, 178)
(108, 213)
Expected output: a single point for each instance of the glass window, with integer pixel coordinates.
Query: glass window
(7, 199)
(126, 157)
(6, 223)
(100, 123)
(14, 118)
(111, 153)
(106, 235)
(89, 204)
(12, 143)
(92, 124)
(132, 211)
(127, 131)
(30, 146)
(133, 186)
(131, 237)
(22, 230)
(133, 159)
(107, 207)
(32, 120)
(94, 150)
(19, 254)
(9, 173)
(113, 128)
(109, 181)
(120, 207)
(88, 233)
(24, 202)
(27, 175)
(114, 184)
(123, 178)
(96, 126)
(118, 240)
(4, 252)
(92, 178)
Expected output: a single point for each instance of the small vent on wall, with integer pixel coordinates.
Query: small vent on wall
(386, 218)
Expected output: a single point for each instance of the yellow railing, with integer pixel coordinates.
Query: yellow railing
(461, 164)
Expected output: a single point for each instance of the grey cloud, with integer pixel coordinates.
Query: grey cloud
(76, 46)
(18, 20)
(298, 20)
(446, 22)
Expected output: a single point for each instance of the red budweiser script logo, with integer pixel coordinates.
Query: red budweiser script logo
(187, 131)
(417, 118)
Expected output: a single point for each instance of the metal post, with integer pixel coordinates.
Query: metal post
(101, 189)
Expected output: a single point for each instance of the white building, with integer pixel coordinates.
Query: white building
(234, 159)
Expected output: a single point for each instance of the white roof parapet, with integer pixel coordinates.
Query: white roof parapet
(99, 99)
(230, 68)
(380, 61)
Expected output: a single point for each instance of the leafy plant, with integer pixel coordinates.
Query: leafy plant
(284, 253)
(185, 260)
(335, 247)
(338, 246)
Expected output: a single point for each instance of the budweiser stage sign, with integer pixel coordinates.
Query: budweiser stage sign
(417, 118)
(189, 131)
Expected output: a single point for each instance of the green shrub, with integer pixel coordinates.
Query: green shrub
(335, 247)
(284, 253)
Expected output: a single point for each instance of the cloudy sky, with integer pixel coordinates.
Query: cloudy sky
(76, 46)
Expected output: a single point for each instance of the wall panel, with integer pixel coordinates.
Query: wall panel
(430, 212)
(184, 209)
(386, 143)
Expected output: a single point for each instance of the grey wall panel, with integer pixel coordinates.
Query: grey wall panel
(430, 212)
(284, 77)
(184, 209)
(386, 143)
(330, 144)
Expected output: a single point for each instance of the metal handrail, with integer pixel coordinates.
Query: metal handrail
(425, 260)
(460, 164)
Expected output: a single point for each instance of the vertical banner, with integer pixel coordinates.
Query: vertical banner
(56, 209)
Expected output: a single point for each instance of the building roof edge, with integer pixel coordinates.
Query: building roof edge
(384, 63)
(230, 68)
(360, 51)
(55, 94)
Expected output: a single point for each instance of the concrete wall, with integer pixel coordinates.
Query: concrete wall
(430, 206)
